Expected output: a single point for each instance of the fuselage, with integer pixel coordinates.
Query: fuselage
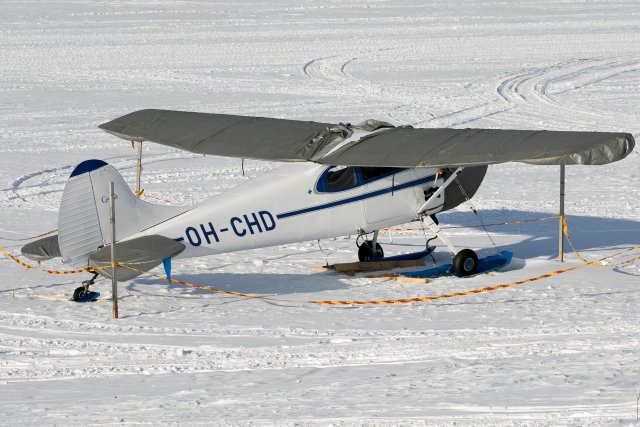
(300, 202)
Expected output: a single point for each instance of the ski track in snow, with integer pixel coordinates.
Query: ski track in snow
(539, 90)
(561, 351)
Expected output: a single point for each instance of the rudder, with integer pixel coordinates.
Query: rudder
(84, 218)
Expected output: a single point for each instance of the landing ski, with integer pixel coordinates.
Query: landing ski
(91, 296)
(485, 265)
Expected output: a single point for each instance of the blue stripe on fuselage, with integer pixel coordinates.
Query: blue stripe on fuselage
(356, 198)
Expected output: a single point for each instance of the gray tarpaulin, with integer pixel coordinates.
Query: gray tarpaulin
(292, 140)
(143, 253)
(409, 147)
(221, 134)
(43, 249)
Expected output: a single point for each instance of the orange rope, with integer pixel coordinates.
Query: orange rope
(193, 285)
(29, 238)
(148, 196)
(403, 300)
(476, 291)
(48, 271)
(477, 226)
(374, 302)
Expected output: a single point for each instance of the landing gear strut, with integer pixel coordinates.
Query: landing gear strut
(465, 262)
(83, 290)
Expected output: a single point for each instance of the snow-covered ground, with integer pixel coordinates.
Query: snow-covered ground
(559, 351)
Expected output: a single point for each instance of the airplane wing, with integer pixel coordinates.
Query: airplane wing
(403, 146)
(223, 135)
(292, 140)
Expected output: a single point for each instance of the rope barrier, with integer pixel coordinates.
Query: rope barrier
(49, 271)
(16, 259)
(204, 288)
(478, 225)
(585, 263)
(149, 196)
(565, 232)
(402, 300)
(29, 238)
(480, 290)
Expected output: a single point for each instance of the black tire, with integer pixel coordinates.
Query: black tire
(366, 252)
(465, 263)
(78, 293)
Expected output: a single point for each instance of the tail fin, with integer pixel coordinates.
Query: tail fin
(83, 221)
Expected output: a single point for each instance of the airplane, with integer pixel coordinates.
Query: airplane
(336, 180)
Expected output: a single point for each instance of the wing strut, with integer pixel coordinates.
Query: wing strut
(439, 191)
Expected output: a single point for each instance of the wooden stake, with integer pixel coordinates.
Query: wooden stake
(114, 282)
(377, 265)
(561, 228)
(139, 169)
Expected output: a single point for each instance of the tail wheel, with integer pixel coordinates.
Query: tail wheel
(79, 293)
(367, 253)
(465, 263)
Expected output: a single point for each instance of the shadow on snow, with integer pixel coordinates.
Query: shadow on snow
(539, 239)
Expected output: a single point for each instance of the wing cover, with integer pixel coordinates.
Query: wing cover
(43, 249)
(223, 135)
(292, 140)
(469, 181)
(409, 147)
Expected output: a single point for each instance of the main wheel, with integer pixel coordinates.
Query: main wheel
(366, 252)
(465, 263)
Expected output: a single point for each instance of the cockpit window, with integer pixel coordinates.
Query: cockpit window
(369, 174)
(341, 178)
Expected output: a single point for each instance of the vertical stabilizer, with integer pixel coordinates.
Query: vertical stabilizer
(83, 222)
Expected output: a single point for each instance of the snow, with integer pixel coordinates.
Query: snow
(558, 351)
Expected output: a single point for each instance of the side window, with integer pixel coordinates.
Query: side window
(337, 178)
(370, 174)
(341, 178)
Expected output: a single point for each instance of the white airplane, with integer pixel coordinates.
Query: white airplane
(340, 180)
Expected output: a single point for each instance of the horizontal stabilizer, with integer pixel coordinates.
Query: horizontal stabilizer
(43, 249)
(383, 146)
(141, 254)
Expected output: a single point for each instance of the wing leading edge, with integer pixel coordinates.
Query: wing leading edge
(223, 135)
(405, 146)
(292, 140)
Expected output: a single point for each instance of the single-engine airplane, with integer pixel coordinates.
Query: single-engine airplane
(341, 179)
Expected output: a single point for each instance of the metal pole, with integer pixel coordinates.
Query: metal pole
(561, 230)
(139, 168)
(114, 282)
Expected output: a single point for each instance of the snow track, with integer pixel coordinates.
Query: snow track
(86, 355)
(542, 91)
